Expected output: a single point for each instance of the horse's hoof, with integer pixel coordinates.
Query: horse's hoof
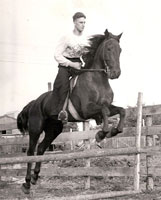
(100, 135)
(25, 189)
(33, 180)
(115, 131)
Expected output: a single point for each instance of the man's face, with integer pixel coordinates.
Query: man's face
(80, 23)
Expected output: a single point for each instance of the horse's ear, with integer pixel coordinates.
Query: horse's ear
(119, 36)
(106, 33)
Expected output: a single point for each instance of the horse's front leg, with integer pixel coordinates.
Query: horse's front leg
(114, 110)
(105, 130)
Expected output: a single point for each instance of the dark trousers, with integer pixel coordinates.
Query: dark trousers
(62, 85)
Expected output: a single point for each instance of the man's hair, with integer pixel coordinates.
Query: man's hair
(78, 15)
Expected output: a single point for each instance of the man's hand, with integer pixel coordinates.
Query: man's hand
(76, 65)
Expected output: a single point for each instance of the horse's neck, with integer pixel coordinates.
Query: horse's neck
(95, 75)
(97, 60)
(95, 64)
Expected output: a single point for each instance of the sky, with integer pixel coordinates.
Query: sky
(30, 30)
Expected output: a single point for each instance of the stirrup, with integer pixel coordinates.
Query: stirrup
(63, 116)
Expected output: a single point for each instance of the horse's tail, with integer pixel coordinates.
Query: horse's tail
(22, 118)
(22, 121)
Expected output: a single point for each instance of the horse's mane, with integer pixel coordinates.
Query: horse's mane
(95, 41)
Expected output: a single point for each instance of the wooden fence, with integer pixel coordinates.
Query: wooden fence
(148, 132)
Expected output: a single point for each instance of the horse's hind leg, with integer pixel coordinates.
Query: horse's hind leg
(52, 130)
(30, 152)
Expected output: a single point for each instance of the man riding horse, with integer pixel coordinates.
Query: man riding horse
(92, 96)
(68, 54)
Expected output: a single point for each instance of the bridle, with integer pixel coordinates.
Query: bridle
(104, 60)
(107, 67)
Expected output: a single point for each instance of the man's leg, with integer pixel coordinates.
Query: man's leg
(61, 87)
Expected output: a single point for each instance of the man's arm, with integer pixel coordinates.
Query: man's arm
(61, 47)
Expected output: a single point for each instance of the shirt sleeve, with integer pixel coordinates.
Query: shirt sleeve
(60, 49)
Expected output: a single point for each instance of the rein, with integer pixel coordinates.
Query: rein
(94, 70)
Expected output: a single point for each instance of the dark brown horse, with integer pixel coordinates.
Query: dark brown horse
(92, 97)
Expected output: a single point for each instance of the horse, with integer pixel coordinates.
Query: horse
(92, 97)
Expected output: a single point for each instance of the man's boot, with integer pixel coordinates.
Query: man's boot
(63, 116)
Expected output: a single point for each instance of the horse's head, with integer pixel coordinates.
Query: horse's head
(109, 54)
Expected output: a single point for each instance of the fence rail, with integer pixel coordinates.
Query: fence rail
(81, 135)
(68, 156)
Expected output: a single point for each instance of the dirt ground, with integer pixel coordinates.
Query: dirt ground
(57, 187)
(50, 187)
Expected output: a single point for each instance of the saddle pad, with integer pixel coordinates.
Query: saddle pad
(73, 111)
(73, 82)
(71, 108)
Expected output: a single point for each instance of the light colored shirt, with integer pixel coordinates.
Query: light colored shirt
(70, 46)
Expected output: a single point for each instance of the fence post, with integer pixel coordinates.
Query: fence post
(1, 148)
(49, 86)
(138, 143)
(149, 158)
(87, 163)
(72, 143)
